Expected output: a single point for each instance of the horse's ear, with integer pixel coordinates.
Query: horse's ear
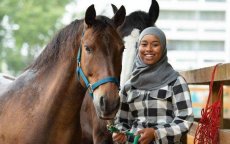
(119, 16)
(90, 15)
(114, 8)
(154, 11)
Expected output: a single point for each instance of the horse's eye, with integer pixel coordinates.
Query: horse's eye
(88, 49)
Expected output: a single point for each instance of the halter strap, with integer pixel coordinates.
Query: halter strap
(88, 85)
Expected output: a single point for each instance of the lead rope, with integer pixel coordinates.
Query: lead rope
(113, 129)
(207, 130)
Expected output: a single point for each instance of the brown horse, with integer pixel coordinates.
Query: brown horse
(94, 129)
(43, 104)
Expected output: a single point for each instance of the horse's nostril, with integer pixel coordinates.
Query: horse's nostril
(102, 102)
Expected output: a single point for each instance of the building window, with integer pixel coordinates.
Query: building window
(212, 16)
(187, 30)
(182, 45)
(215, 0)
(192, 15)
(177, 15)
(222, 30)
(185, 45)
(188, 0)
(211, 45)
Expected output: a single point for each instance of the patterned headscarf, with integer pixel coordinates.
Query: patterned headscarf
(152, 77)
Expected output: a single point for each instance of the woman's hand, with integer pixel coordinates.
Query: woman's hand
(119, 137)
(147, 135)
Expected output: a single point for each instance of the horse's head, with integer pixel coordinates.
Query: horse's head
(100, 60)
(139, 19)
(134, 23)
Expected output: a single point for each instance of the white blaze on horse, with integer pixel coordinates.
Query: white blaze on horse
(129, 55)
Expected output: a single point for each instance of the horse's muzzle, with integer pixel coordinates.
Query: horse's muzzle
(107, 109)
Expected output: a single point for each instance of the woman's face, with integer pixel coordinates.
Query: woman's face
(150, 50)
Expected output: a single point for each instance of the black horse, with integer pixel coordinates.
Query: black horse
(94, 129)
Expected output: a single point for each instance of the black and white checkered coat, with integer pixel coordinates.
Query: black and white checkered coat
(167, 110)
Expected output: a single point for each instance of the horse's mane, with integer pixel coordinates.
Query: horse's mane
(62, 40)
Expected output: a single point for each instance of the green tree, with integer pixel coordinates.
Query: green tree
(25, 28)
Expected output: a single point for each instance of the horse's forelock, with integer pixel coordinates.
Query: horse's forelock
(104, 19)
(102, 22)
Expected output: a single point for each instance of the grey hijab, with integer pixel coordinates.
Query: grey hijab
(152, 77)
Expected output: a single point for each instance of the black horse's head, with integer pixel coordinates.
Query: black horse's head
(139, 19)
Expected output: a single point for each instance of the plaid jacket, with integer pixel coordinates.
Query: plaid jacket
(167, 110)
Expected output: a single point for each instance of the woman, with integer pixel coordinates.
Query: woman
(155, 101)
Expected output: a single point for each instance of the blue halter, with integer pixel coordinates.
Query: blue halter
(90, 86)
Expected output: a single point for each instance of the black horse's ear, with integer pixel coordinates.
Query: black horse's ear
(119, 16)
(154, 12)
(90, 15)
(114, 8)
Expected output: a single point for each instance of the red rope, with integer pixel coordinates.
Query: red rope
(207, 130)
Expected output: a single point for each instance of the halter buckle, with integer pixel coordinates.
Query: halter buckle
(90, 88)
(79, 64)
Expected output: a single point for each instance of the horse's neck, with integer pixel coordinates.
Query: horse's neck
(60, 92)
(43, 103)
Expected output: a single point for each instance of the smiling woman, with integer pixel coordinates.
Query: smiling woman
(150, 49)
(155, 102)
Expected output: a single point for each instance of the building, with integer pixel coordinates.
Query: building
(198, 32)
